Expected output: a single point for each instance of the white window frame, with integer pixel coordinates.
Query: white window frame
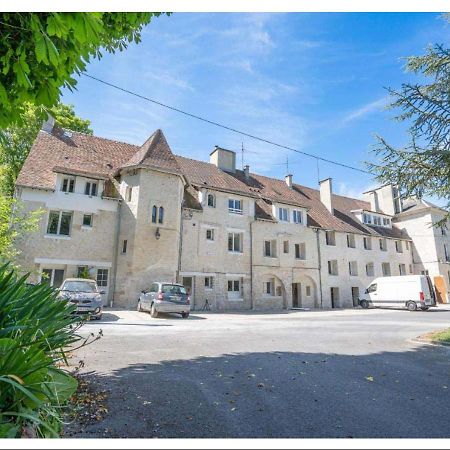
(272, 249)
(383, 244)
(399, 246)
(58, 231)
(90, 191)
(208, 196)
(283, 214)
(330, 237)
(372, 269)
(333, 268)
(300, 251)
(367, 243)
(297, 216)
(70, 183)
(241, 242)
(353, 268)
(101, 281)
(235, 206)
(233, 282)
(211, 233)
(209, 283)
(92, 220)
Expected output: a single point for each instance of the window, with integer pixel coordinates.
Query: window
(235, 242)
(353, 268)
(372, 288)
(446, 253)
(297, 216)
(209, 282)
(161, 215)
(124, 246)
(90, 189)
(443, 231)
(407, 245)
(367, 243)
(402, 269)
(370, 270)
(270, 249)
(235, 206)
(87, 220)
(68, 185)
(308, 291)
(82, 271)
(351, 243)
(386, 269)
(59, 223)
(154, 213)
(386, 222)
(410, 268)
(283, 214)
(210, 234)
(269, 287)
(377, 220)
(330, 237)
(367, 218)
(383, 244)
(102, 277)
(211, 200)
(54, 277)
(128, 194)
(234, 289)
(300, 251)
(333, 267)
(398, 246)
(286, 246)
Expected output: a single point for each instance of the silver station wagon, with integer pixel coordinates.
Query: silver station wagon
(165, 298)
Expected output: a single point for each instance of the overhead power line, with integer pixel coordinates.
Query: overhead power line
(234, 130)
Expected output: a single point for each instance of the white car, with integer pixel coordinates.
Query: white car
(411, 291)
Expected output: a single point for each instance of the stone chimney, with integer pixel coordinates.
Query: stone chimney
(385, 199)
(372, 198)
(48, 125)
(247, 172)
(326, 191)
(288, 179)
(223, 159)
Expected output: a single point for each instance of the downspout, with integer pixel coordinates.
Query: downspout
(320, 267)
(251, 264)
(116, 250)
(180, 245)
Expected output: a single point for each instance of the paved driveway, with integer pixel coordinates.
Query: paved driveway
(300, 374)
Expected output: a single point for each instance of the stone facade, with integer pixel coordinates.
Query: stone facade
(236, 240)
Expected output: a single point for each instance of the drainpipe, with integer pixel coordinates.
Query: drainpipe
(116, 250)
(251, 264)
(180, 244)
(320, 267)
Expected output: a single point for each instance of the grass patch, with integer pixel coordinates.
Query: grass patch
(439, 337)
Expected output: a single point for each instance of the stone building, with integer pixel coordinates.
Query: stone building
(132, 215)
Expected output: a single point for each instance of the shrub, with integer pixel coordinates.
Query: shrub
(36, 329)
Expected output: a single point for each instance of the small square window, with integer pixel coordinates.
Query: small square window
(87, 220)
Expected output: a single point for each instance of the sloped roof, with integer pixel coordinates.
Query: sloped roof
(75, 153)
(155, 152)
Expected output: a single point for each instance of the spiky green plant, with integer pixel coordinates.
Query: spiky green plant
(36, 329)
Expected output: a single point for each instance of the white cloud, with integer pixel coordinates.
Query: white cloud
(366, 110)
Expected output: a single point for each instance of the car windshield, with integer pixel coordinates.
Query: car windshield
(173, 289)
(79, 286)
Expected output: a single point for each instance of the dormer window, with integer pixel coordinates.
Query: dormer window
(235, 206)
(211, 200)
(283, 214)
(297, 216)
(90, 189)
(68, 184)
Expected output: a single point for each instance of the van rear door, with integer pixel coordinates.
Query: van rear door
(430, 295)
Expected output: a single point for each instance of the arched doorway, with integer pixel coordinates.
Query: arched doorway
(304, 292)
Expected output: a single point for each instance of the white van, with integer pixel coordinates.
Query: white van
(411, 291)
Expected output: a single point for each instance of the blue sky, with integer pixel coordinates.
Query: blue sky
(312, 81)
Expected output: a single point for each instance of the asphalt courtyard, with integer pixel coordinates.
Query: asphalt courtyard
(348, 373)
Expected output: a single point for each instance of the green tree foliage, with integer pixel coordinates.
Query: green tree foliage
(422, 167)
(16, 140)
(40, 53)
(36, 328)
(15, 224)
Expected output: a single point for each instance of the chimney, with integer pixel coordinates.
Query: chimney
(247, 172)
(48, 125)
(385, 199)
(326, 191)
(372, 198)
(288, 179)
(223, 159)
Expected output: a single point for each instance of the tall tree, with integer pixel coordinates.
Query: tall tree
(422, 167)
(16, 141)
(40, 53)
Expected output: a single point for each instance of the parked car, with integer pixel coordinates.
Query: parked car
(412, 292)
(165, 298)
(85, 294)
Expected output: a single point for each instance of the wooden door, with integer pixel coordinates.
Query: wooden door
(441, 289)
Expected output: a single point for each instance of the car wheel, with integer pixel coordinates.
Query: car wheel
(154, 312)
(365, 304)
(412, 306)
(184, 315)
